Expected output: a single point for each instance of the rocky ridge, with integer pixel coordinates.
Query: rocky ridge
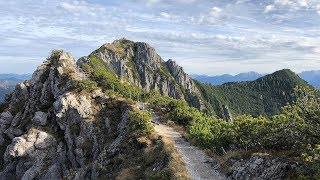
(141, 65)
(50, 131)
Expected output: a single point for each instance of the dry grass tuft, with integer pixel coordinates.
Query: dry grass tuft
(176, 164)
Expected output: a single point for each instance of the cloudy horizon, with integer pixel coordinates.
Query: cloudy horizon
(204, 37)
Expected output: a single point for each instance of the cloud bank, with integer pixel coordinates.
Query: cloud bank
(211, 37)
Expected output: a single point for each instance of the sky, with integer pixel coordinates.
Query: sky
(204, 36)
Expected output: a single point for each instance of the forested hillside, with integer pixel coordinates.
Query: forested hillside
(264, 96)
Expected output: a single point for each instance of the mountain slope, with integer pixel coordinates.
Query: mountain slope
(59, 125)
(140, 69)
(264, 96)
(139, 64)
(312, 77)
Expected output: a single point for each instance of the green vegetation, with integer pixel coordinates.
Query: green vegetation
(85, 85)
(55, 53)
(140, 122)
(312, 163)
(107, 80)
(165, 72)
(296, 130)
(264, 96)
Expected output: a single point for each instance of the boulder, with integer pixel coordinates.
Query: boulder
(18, 148)
(44, 140)
(40, 118)
(6, 118)
(263, 167)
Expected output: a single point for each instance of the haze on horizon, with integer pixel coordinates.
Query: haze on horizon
(204, 36)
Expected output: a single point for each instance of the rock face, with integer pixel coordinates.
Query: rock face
(49, 131)
(40, 118)
(262, 167)
(141, 65)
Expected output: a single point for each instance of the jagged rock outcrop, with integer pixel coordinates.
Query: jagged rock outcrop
(29, 130)
(50, 130)
(141, 65)
(262, 167)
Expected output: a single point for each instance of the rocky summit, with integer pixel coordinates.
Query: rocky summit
(141, 65)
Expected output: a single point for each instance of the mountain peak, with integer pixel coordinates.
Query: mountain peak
(140, 64)
(284, 75)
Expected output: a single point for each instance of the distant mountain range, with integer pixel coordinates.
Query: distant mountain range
(15, 76)
(9, 81)
(221, 79)
(312, 77)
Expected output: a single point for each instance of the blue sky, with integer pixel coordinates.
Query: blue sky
(204, 36)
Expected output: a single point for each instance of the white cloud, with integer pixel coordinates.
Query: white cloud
(293, 5)
(243, 38)
(269, 8)
(213, 16)
(167, 15)
(81, 7)
(152, 2)
(242, 1)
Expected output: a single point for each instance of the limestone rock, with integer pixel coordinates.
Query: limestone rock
(54, 172)
(16, 119)
(6, 118)
(21, 89)
(142, 66)
(262, 167)
(82, 60)
(56, 132)
(40, 118)
(18, 148)
(13, 132)
(44, 140)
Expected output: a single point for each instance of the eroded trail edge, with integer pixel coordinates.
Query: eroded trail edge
(198, 164)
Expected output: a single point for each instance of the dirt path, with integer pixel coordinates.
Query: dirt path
(198, 164)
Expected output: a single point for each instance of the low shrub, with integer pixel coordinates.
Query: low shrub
(85, 85)
(140, 122)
